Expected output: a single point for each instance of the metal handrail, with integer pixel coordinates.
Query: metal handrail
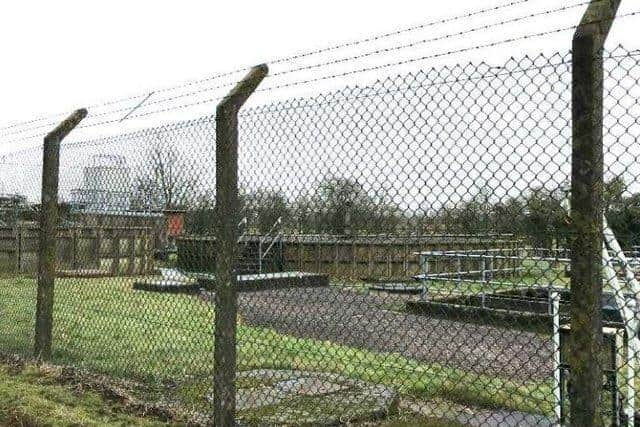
(263, 240)
(243, 222)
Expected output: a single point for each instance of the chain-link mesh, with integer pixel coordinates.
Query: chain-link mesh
(403, 252)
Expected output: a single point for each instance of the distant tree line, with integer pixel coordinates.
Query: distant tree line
(335, 206)
(540, 215)
(342, 206)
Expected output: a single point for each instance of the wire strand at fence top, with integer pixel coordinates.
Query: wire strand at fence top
(344, 74)
(430, 40)
(144, 103)
(312, 102)
(373, 68)
(360, 56)
(286, 59)
(319, 101)
(129, 109)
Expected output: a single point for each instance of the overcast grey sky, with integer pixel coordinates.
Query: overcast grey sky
(83, 53)
(60, 55)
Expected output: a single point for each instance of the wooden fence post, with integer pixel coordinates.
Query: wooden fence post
(586, 212)
(47, 253)
(224, 390)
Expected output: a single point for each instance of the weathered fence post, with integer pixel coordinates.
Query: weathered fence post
(586, 212)
(224, 390)
(48, 233)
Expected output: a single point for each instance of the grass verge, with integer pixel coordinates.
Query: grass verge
(166, 341)
(32, 396)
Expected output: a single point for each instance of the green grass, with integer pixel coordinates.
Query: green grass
(33, 397)
(166, 342)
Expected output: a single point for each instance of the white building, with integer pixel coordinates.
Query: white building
(106, 185)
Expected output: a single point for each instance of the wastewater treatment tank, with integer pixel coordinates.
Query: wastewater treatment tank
(522, 308)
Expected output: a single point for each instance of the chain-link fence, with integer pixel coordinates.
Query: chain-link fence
(403, 252)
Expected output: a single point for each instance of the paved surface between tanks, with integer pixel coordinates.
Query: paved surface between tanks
(365, 321)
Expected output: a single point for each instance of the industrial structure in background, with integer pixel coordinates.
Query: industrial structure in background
(338, 297)
(106, 198)
(106, 185)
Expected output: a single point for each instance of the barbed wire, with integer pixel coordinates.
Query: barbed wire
(445, 53)
(330, 76)
(361, 56)
(125, 99)
(434, 39)
(565, 60)
(398, 32)
(372, 68)
(287, 58)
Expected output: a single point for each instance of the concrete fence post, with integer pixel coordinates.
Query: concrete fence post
(224, 389)
(47, 251)
(586, 212)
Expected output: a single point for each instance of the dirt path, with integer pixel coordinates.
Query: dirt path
(364, 321)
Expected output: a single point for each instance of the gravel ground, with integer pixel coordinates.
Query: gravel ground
(365, 321)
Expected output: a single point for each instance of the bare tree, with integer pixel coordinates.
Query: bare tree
(264, 207)
(165, 180)
(343, 206)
